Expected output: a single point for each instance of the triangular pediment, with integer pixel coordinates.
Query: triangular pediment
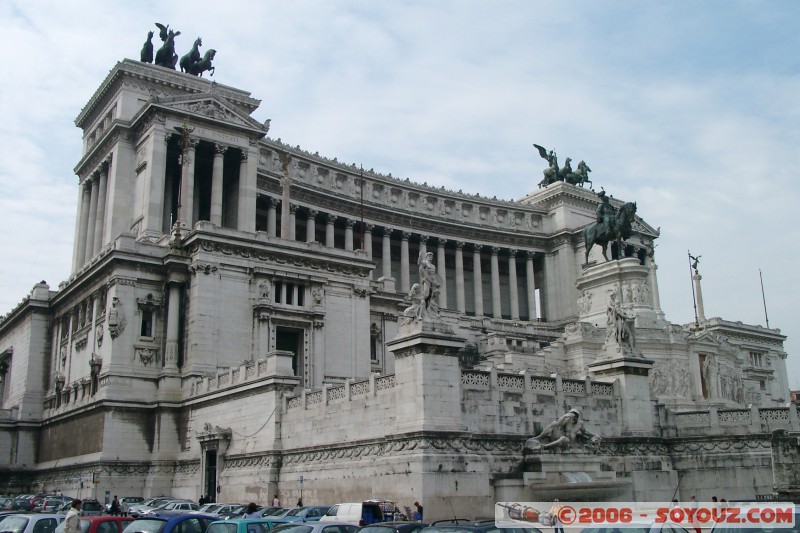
(209, 107)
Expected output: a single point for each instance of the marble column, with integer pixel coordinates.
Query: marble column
(477, 281)
(272, 217)
(216, 184)
(405, 277)
(311, 225)
(83, 223)
(367, 244)
(348, 233)
(497, 310)
(246, 209)
(654, 285)
(386, 269)
(173, 326)
(461, 305)
(441, 269)
(330, 240)
(186, 194)
(101, 208)
(531, 286)
(701, 315)
(292, 222)
(512, 284)
(92, 219)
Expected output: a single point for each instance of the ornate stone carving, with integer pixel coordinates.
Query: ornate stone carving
(205, 268)
(147, 355)
(669, 378)
(566, 432)
(116, 318)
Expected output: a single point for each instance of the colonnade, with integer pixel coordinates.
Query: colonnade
(92, 211)
(398, 266)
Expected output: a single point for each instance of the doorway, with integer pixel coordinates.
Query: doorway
(291, 340)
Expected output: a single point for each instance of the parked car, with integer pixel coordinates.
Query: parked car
(229, 510)
(239, 525)
(139, 509)
(311, 513)
(460, 525)
(5, 503)
(273, 511)
(130, 500)
(30, 523)
(100, 524)
(358, 514)
(89, 508)
(171, 522)
(209, 508)
(178, 506)
(51, 504)
(22, 502)
(393, 527)
(316, 527)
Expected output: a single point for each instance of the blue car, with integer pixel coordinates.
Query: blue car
(244, 525)
(311, 513)
(171, 522)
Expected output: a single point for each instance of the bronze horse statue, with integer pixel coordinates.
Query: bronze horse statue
(166, 56)
(189, 60)
(621, 229)
(204, 64)
(580, 176)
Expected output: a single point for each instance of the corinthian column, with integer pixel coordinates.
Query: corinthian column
(348, 233)
(531, 286)
(386, 268)
(292, 222)
(92, 219)
(477, 281)
(368, 239)
(272, 217)
(311, 225)
(173, 327)
(83, 223)
(497, 310)
(442, 270)
(405, 277)
(186, 195)
(329, 231)
(102, 178)
(512, 284)
(216, 184)
(461, 306)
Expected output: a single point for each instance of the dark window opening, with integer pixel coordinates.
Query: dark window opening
(147, 323)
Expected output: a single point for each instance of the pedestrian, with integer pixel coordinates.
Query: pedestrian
(299, 502)
(418, 514)
(115, 506)
(72, 522)
(276, 502)
(252, 511)
(554, 518)
(124, 507)
(202, 500)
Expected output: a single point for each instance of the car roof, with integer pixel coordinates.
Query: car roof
(169, 516)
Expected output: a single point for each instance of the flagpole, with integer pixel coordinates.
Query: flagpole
(763, 298)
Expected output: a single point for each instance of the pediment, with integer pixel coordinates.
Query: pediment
(709, 339)
(212, 108)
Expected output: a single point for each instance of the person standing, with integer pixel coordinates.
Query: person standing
(252, 511)
(276, 502)
(72, 522)
(556, 520)
(418, 514)
(115, 506)
(202, 500)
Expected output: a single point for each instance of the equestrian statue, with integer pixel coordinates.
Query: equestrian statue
(166, 56)
(611, 225)
(191, 63)
(553, 174)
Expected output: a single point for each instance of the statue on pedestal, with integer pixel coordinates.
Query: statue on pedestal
(566, 432)
(619, 325)
(611, 225)
(424, 295)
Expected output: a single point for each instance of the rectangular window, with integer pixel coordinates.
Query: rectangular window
(373, 349)
(757, 359)
(147, 323)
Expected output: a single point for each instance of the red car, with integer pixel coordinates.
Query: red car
(100, 524)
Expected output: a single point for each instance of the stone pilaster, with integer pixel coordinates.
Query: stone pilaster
(247, 190)
(217, 170)
(100, 221)
(186, 194)
(89, 252)
(531, 286)
(330, 227)
(497, 309)
(405, 276)
(348, 233)
(272, 217)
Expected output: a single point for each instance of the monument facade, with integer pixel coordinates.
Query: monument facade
(243, 314)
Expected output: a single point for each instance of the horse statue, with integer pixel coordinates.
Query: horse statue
(621, 228)
(204, 64)
(580, 176)
(189, 60)
(166, 56)
(566, 170)
(147, 50)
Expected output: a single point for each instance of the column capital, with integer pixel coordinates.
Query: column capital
(530, 254)
(220, 149)
(476, 248)
(405, 235)
(424, 239)
(368, 228)
(512, 252)
(349, 222)
(495, 250)
(387, 232)
(94, 176)
(271, 202)
(442, 242)
(332, 218)
(460, 245)
(242, 156)
(293, 208)
(312, 213)
(105, 165)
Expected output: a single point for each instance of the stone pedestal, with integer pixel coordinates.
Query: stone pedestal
(633, 395)
(428, 377)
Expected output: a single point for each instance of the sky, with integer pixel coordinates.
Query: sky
(689, 108)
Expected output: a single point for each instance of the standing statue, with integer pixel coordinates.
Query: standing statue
(147, 50)
(551, 172)
(619, 325)
(610, 225)
(566, 432)
(424, 295)
(166, 56)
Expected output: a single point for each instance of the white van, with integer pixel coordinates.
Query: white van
(357, 514)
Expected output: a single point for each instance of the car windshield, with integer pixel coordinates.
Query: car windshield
(222, 528)
(14, 523)
(210, 508)
(145, 525)
(376, 529)
(295, 512)
(293, 528)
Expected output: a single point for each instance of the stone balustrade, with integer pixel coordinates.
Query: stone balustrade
(340, 393)
(482, 379)
(724, 421)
